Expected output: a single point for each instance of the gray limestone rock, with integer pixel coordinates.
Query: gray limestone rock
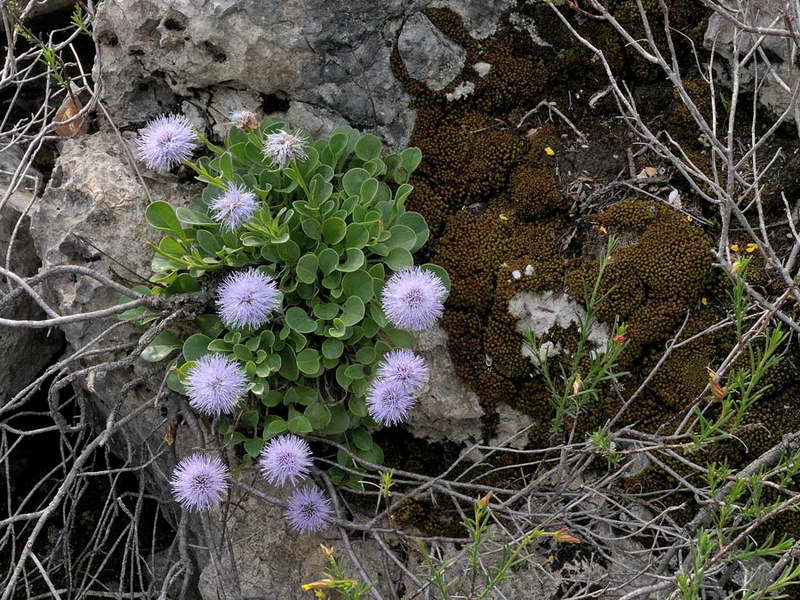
(428, 54)
(24, 353)
(774, 91)
(273, 561)
(446, 409)
(94, 196)
(332, 56)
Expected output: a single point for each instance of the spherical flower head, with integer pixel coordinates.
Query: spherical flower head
(244, 119)
(404, 368)
(413, 299)
(246, 299)
(308, 510)
(165, 142)
(234, 207)
(215, 385)
(283, 147)
(389, 402)
(199, 481)
(285, 459)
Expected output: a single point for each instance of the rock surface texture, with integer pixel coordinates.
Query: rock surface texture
(331, 57)
(269, 555)
(775, 91)
(429, 55)
(93, 195)
(24, 353)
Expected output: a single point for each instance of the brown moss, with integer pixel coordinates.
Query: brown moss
(468, 156)
(535, 190)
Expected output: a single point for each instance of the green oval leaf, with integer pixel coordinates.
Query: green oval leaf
(333, 230)
(164, 344)
(402, 236)
(399, 259)
(162, 216)
(354, 260)
(416, 222)
(328, 259)
(289, 251)
(352, 311)
(196, 346)
(352, 180)
(275, 427)
(308, 361)
(319, 415)
(358, 283)
(340, 421)
(307, 268)
(368, 147)
(332, 348)
(299, 320)
(300, 424)
(357, 236)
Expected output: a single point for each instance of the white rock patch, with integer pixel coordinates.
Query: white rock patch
(463, 89)
(482, 68)
(541, 312)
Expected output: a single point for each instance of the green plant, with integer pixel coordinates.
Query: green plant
(569, 390)
(601, 442)
(478, 580)
(329, 229)
(744, 386)
(335, 579)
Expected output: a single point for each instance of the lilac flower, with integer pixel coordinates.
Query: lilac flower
(308, 510)
(246, 298)
(199, 481)
(412, 299)
(404, 368)
(284, 147)
(389, 402)
(166, 141)
(234, 207)
(285, 459)
(215, 384)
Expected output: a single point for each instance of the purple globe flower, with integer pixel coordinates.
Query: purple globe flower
(246, 299)
(389, 402)
(412, 299)
(308, 510)
(215, 384)
(235, 207)
(285, 459)
(199, 481)
(166, 141)
(283, 147)
(404, 368)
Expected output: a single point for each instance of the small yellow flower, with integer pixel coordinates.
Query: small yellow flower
(734, 247)
(549, 151)
(688, 219)
(503, 217)
(319, 585)
(751, 247)
(704, 301)
(602, 229)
